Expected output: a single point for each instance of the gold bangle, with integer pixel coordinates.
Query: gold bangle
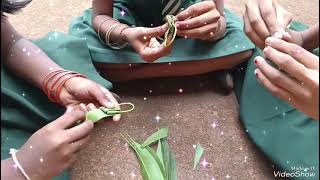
(101, 25)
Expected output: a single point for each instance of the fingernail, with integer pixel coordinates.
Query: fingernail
(110, 105)
(277, 35)
(256, 61)
(266, 49)
(269, 40)
(256, 73)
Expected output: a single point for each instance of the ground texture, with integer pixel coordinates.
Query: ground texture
(189, 115)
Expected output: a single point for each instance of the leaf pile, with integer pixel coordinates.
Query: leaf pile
(155, 165)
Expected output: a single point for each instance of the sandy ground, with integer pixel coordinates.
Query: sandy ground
(189, 115)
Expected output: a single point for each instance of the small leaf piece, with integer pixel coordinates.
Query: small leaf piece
(197, 156)
(162, 133)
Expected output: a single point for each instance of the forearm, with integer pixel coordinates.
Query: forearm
(102, 20)
(9, 171)
(23, 57)
(29, 62)
(311, 37)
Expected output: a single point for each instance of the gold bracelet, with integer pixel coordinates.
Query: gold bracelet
(100, 27)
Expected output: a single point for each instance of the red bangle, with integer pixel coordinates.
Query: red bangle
(50, 89)
(59, 87)
(48, 77)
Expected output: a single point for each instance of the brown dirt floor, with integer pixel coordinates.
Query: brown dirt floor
(188, 114)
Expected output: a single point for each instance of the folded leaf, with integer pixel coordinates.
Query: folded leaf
(159, 152)
(197, 155)
(162, 133)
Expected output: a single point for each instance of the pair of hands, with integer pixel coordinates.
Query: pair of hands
(296, 80)
(55, 147)
(199, 21)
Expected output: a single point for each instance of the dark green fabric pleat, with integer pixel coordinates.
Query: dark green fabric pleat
(288, 137)
(235, 41)
(25, 108)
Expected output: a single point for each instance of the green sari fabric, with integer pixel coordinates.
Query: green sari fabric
(235, 40)
(25, 108)
(289, 138)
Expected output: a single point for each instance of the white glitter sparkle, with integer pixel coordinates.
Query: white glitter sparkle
(28, 54)
(151, 25)
(228, 176)
(222, 133)
(213, 178)
(41, 160)
(185, 37)
(122, 13)
(194, 146)
(169, 63)
(144, 98)
(211, 34)
(50, 68)
(276, 108)
(24, 49)
(236, 46)
(132, 175)
(240, 148)
(130, 65)
(264, 132)
(180, 90)
(157, 118)
(204, 163)
(145, 37)
(283, 114)
(178, 114)
(245, 158)
(30, 147)
(112, 173)
(213, 125)
(287, 162)
(247, 130)
(150, 91)
(23, 94)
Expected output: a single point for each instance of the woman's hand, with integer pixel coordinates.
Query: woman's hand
(297, 82)
(144, 42)
(79, 91)
(264, 18)
(54, 147)
(201, 21)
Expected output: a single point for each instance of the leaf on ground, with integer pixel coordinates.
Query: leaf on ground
(197, 155)
(150, 168)
(162, 133)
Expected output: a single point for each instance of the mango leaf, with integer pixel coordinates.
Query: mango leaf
(150, 168)
(172, 174)
(197, 155)
(162, 133)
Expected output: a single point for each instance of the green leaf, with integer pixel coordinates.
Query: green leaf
(95, 115)
(154, 155)
(150, 168)
(159, 152)
(172, 174)
(197, 155)
(162, 133)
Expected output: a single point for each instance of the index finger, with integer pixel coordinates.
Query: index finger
(155, 32)
(69, 118)
(269, 16)
(195, 10)
(303, 56)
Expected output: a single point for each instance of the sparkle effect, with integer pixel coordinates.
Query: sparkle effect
(41, 160)
(122, 13)
(144, 98)
(157, 118)
(204, 163)
(132, 175)
(180, 90)
(214, 125)
(23, 94)
(227, 176)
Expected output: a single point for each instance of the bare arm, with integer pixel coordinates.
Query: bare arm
(8, 171)
(23, 57)
(102, 11)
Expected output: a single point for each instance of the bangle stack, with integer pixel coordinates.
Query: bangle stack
(17, 164)
(115, 45)
(53, 82)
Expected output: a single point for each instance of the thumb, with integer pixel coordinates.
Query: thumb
(101, 97)
(156, 31)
